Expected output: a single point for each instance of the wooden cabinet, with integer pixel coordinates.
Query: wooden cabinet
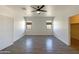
(74, 19)
(74, 22)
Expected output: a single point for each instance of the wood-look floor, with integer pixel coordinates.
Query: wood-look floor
(39, 45)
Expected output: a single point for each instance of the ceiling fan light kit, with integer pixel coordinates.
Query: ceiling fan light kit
(38, 12)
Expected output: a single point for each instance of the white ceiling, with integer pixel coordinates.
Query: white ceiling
(28, 11)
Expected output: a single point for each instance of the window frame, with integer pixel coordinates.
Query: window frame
(48, 22)
(28, 23)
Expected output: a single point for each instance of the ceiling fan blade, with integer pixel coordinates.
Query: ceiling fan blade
(41, 7)
(38, 7)
(43, 10)
(34, 10)
(33, 7)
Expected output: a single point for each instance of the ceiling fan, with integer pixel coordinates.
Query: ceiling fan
(38, 8)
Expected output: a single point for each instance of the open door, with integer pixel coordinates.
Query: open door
(74, 24)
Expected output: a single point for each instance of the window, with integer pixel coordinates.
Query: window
(28, 25)
(49, 24)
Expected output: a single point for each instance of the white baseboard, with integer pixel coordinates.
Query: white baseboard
(15, 39)
(6, 45)
(61, 40)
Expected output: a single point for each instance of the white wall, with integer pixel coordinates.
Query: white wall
(6, 31)
(19, 27)
(39, 26)
(19, 22)
(61, 22)
(12, 26)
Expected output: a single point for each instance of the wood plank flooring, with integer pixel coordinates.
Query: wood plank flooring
(39, 44)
